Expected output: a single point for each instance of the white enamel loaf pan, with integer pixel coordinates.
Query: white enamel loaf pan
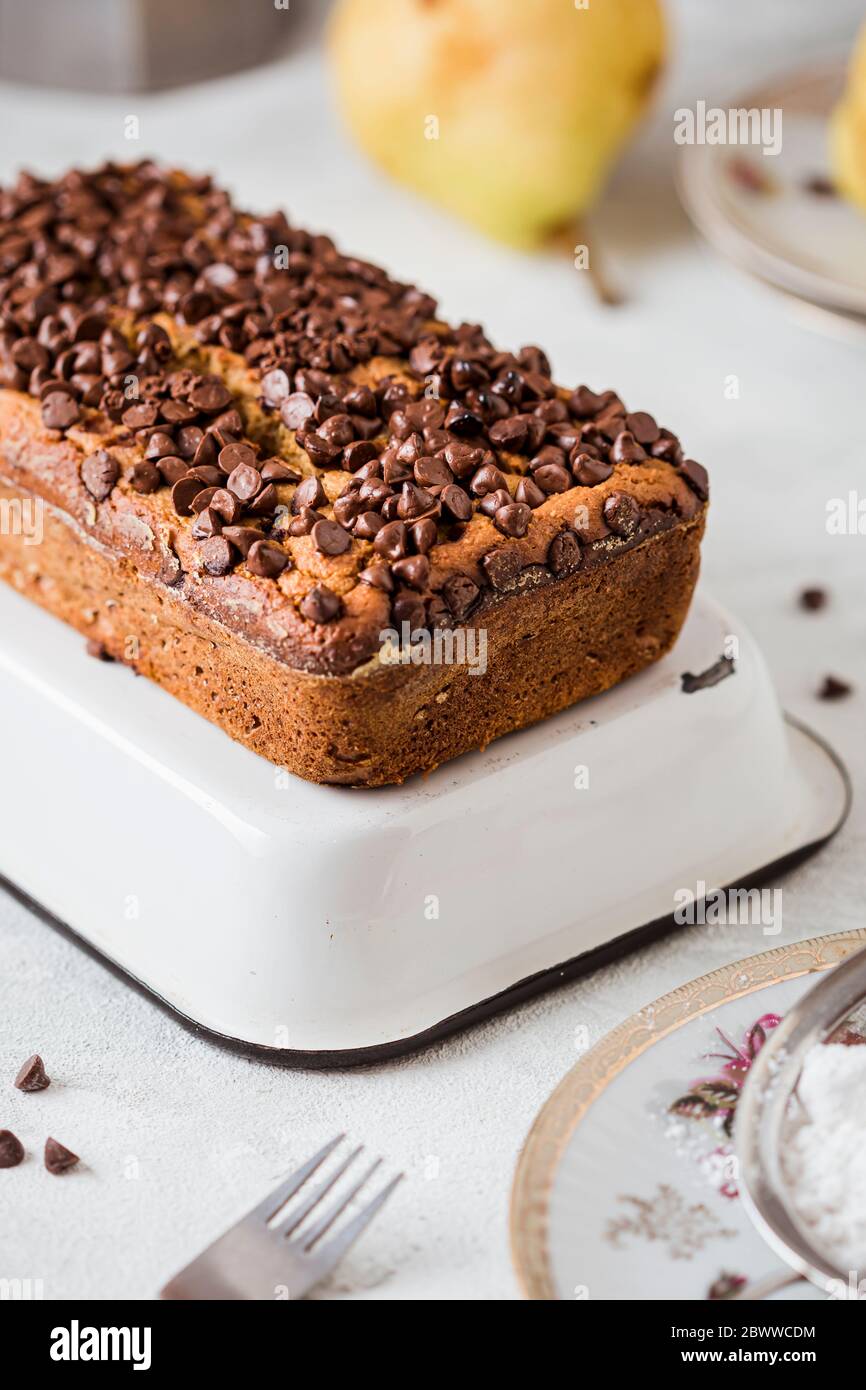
(333, 925)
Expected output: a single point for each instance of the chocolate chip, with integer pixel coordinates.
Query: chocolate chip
(217, 555)
(296, 410)
(357, 454)
(330, 538)
(188, 439)
(553, 412)
(360, 401)
(424, 534)
(266, 503)
(456, 501)
(408, 607)
(426, 356)
(461, 594)
(159, 445)
(29, 354)
(321, 451)
(224, 503)
(206, 524)
(320, 605)
(625, 449)
(367, 525)
(328, 405)
(59, 410)
(207, 452)
(463, 459)
(548, 454)
(667, 447)
(494, 500)
(207, 475)
(414, 502)
(99, 473)
(374, 492)
(244, 482)
(820, 186)
(145, 477)
(552, 478)
(58, 1159)
(511, 434)
(275, 471)
(236, 455)
(210, 397)
(309, 493)
(392, 542)
(303, 523)
(177, 413)
(834, 689)
(584, 403)
(172, 469)
(378, 576)
(276, 387)
(460, 420)
(31, 1076)
(266, 559)
(697, 477)
(433, 472)
(813, 599)
(642, 426)
(243, 537)
(513, 519)
(564, 554)
(487, 479)
(414, 571)
(528, 492)
(501, 567)
(11, 1149)
(411, 450)
(140, 416)
(622, 513)
(589, 471)
(425, 414)
(610, 423)
(184, 493)
(348, 507)
(393, 471)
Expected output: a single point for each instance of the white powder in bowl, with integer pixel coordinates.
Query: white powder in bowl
(824, 1159)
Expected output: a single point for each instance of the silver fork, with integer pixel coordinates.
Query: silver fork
(256, 1259)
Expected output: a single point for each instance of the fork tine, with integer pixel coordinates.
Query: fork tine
(331, 1253)
(270, 1205)
(298, 1213)
(307, 1239)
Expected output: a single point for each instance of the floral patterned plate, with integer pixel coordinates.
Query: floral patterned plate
(627, 1184)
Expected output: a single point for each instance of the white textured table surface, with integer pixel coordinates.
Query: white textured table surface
(180, 1137)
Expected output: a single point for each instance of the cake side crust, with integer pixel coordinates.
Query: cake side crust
(546, 648)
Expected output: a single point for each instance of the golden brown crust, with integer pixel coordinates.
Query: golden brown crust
(547, 649)
(160, 544)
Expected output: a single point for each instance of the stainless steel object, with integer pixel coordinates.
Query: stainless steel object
(142, 45)
(273, 1252)
(762, 1114)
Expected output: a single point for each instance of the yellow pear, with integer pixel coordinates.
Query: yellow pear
(507, 112)
(848, 130)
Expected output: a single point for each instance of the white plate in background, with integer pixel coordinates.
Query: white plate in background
(808, 244)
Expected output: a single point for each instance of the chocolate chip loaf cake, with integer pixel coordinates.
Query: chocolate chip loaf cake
(358, 539)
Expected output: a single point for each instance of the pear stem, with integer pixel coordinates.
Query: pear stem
(578, 235)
